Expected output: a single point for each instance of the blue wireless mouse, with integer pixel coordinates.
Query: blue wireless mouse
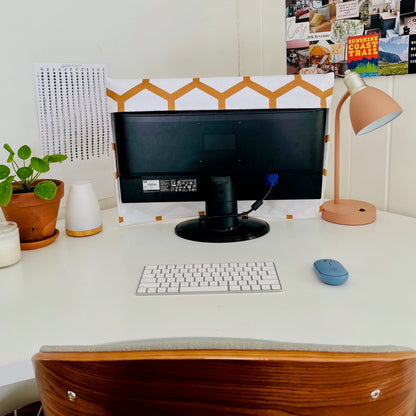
(330, 271)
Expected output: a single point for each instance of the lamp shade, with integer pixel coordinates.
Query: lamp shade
(371, 108)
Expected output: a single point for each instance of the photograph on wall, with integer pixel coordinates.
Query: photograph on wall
(372, 37)
(394, 55)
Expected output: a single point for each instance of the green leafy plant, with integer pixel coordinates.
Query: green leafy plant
(26, 171)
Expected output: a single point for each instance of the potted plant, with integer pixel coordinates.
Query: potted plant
(30, 202)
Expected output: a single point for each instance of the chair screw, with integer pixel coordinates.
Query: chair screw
(375, 394)
(71, 396)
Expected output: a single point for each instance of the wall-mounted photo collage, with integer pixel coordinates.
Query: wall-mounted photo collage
(371, 37)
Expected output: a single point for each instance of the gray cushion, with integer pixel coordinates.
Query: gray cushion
(195, 343)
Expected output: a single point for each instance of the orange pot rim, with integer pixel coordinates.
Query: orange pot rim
(17, 198)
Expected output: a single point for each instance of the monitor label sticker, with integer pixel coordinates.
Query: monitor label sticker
(169, 185)
(182, 185)
(151, 185)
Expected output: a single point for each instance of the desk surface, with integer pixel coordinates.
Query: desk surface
(82, 290)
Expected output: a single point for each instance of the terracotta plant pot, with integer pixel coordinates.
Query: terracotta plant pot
(35, 217)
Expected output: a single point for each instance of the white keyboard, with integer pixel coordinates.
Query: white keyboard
(259, 277)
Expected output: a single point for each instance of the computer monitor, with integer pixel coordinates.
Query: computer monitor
(220, 157)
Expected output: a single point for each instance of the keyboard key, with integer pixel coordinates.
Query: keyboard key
(151, 284)
(203, 289)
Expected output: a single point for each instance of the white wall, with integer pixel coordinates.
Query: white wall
(182, 38)
(135, 38)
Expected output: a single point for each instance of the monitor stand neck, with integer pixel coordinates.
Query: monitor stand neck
(221, 206)
(221, 224)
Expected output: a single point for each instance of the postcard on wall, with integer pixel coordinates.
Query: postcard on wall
(347, 10)
(332, 36)
(394, 55)
(363, 55)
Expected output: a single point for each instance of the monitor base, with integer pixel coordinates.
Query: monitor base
(247, 229)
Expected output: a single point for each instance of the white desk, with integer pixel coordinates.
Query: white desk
(82, 290)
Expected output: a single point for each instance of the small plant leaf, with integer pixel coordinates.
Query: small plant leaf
(24, 152)
(8, 148)
(24, 173)
(6, 190)
(11, 153)
(45, 190)
(4, 171)
(39, 165)
(57, 158)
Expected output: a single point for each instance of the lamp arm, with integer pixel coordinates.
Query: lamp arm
(337, 147)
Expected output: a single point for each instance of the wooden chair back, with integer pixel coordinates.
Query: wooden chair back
(226, 382)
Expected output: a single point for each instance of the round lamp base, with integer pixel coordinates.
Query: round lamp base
(349, 212)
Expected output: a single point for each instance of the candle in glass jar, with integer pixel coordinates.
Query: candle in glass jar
(9, 243)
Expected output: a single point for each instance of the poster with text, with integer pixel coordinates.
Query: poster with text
(363, 55)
